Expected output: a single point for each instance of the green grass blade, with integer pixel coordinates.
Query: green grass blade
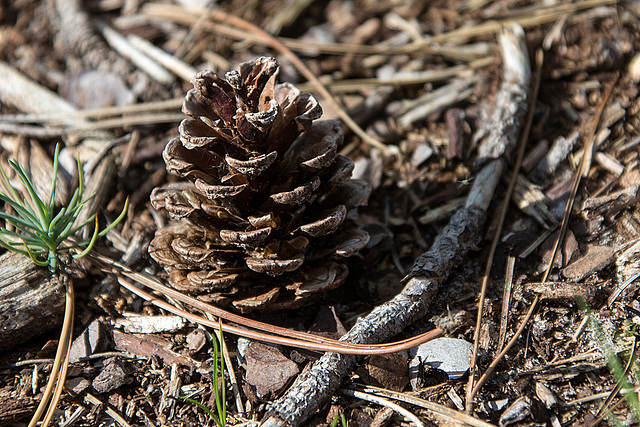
(26, 231)
(9, 246)
(12, 219)
(59, 218)
(34, 258)
(612, 359)
(7, 184)
(224, 386)
(32, 240)
(203, 407)
(70, 232)
(216, 356)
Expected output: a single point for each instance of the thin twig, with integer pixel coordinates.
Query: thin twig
(386, 403)
(287, 336)
(502, 215)
(431, 406)
(565, 220)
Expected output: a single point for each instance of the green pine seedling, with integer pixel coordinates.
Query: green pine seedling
(619, 373)
(41, 233)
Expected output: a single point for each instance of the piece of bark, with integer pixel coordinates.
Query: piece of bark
(390, 371)
(112, 376)
(32, 300)
(453, 119)
(92, 340)
(149, 345)
(320, 380)
(596, 258)
(268, 370)
(14, 408)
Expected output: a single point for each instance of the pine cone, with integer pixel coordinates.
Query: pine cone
(264, 212)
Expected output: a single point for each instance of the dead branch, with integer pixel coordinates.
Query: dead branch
(32, 303)
(320, 380)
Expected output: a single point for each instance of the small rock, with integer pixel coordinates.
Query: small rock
(422, 152)
(196, 340)
(92, 340)
(546, 396)
(450, 355)
(268, 370)
(77, 385)
(390, 371)
(141, 324)
(110, 377)
(596, 258)
(518, 411)
(95, 89)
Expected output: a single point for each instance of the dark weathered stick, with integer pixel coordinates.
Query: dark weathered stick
(322, 379)
(31, 303)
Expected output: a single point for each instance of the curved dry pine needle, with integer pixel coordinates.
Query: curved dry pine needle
(287, 337)
(96, 113)
(269, 40)
(336, 347)
(61, 359)
(59, 385)
(522, 143)
(525, 17)
(410, 416)
(565, 221)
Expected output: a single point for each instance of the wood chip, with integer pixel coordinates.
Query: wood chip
(596, 258)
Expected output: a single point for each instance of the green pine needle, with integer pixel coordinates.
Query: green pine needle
(41, 233)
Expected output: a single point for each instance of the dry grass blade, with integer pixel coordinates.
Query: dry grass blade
(96, 113)
(432, 45)
(386, 403)
(502, 215)
(60, 363)
(565, 220)
(273, 333)
(444, 411)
